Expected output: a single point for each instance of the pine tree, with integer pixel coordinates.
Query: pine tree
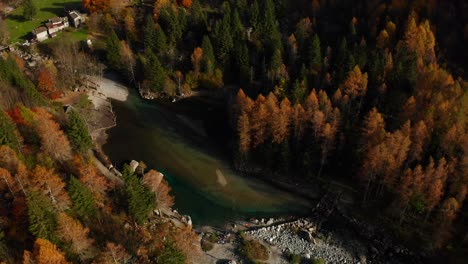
(223, 39)
(78, 132)
(171, 254)
(82, 198)
(42, 219)
(160, 42)
(155, 74)
(140, 199)
(29, 9)
(113, 51)
(173, 22)
(315, 53)
(255, 15)
(268, 19)
(149, 33)
(238, 29)
(208, 62)
(8, 134)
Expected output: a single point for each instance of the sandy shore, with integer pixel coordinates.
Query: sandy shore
(106, 87)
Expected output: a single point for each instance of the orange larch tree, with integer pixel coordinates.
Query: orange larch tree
(96, 5)
(47, 182)
(53, 141)
(46, 81)
(90, 177)
(259, 121)
(196, 58)
(244, 132)
(45, 253)
(186, 3)
(71, 231)
(152, 179)
(373, 129)
(163, 196)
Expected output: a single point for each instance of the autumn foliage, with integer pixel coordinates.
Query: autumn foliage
(185, 3)
(46, 81)
(44, 253)
(96, 5)
(53, 139)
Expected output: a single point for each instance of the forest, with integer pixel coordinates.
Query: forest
(371, 94)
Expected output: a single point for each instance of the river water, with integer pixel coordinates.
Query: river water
(186, 141)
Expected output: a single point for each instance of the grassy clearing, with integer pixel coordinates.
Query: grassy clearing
(20, 29)
(71, 34)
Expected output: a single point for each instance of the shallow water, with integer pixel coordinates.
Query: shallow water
(196, 165)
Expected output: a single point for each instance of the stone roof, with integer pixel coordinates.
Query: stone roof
(39, 30)
(55, 20)
(74, 15)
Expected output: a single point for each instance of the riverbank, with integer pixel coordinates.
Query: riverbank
(334, 245)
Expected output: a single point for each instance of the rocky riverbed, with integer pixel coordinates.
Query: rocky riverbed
(300, 238)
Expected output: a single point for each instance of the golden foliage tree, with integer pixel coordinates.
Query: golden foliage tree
(196, 58)
(53, 141)
(355, 84)
(47, 182)
(94, 6)
(71, 231)
(152, 179)
(163, 196)
(90, 177)
(114, 253)
(45, 252)
(46, 81)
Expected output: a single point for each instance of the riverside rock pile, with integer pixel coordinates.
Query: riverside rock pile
(286, 237)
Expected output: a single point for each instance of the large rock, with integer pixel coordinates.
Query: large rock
(133, 165)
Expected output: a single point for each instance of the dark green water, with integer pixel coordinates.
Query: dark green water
(185, 142)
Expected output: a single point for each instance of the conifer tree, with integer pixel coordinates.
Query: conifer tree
(223, 39)
(237, 27)
(208, 61)
(154, 73)
(113, 51)
(140, 199)
(82, 199)
(149, 33)
(42, 219)
(315, 53)
(29, 9)
(45, 252)
(78, 132)
(8, 134)
(255, 15)
(160, 42)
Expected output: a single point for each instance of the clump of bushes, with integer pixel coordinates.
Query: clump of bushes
(294, 258)
(254, 250)
(318, 261)
(206, 245)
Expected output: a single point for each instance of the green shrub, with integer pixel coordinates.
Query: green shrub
(254, 250)
(212, 237)
(294, 258)
(206, 245)
(318, 261)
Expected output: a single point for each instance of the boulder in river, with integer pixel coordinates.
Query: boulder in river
(133, 165)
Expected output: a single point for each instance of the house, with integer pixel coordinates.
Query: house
(56, 24)
(40, 33)
(76, 18)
